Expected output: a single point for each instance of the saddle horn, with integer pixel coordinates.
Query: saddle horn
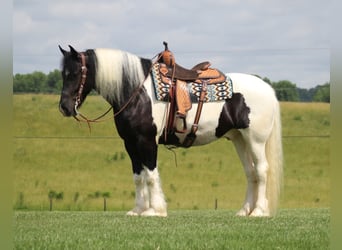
(165, 44)
(168, 57)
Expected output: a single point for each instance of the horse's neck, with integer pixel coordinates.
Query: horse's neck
(118, 74)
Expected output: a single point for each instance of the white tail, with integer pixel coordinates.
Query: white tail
(274, 155)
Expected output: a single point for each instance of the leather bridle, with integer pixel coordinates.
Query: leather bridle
(84, 71)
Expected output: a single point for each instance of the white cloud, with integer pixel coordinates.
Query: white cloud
(235, 35)
(23, 22)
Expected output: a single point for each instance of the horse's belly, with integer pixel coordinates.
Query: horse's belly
(207, 124)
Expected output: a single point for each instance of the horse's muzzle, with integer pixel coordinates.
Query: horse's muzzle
(66, 111)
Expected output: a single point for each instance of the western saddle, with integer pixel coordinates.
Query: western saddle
(179, 98)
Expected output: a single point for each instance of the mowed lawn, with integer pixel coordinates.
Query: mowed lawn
(182, 229)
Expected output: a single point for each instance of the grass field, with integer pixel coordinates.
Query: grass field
(53, 153)
(205, 229)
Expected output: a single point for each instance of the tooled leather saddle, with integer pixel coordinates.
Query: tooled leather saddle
(177, 79)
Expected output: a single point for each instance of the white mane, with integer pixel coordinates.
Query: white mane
(111, 65)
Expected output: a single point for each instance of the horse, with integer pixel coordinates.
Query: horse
(250, 119)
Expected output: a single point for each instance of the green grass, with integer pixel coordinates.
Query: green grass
(53, 153)
(206, 229)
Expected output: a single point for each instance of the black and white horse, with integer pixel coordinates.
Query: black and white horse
(250, 119)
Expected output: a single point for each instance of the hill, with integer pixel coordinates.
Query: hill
(53, 153)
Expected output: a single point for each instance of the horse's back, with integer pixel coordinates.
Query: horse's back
(251, 86)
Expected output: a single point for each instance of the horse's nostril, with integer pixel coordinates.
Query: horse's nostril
(64, 110)
(61, 109)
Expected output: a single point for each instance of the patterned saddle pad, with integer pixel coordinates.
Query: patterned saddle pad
(215, 92)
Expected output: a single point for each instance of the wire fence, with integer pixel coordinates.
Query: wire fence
(118, 138)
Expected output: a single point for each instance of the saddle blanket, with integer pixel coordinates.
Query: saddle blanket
(215, 92)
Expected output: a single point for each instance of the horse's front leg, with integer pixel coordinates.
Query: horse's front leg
(141, 195)
(157, 204)
(149, 197)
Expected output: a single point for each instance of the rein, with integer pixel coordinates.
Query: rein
(84, 71)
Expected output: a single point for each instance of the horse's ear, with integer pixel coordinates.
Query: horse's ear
(62, 50)
(73, 51)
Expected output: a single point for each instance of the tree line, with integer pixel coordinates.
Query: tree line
(51, 83)
(38, 82)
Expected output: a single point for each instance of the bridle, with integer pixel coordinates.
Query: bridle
(84, 71)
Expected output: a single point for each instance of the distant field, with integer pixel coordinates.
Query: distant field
(204, 229)
(53, 153)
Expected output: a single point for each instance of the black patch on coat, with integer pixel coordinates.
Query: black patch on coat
(135, 124)
(234, 115)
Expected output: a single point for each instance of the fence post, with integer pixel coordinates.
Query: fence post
(216, 204)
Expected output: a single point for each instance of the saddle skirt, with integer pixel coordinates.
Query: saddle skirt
(215, 92)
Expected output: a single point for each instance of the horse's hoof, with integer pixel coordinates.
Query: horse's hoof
(258, 212)
(161, 214)
(241, 212)
(133, 212)
(152, 212)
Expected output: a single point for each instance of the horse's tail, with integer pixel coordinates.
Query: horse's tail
(274, 155)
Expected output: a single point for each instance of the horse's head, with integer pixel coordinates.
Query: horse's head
(76, 83)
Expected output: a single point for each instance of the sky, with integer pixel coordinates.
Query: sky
(280, 40)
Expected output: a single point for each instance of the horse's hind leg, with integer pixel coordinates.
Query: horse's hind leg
(253, 158)
(261, 169)
(247, 162)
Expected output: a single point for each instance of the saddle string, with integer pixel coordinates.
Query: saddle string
(172, 150)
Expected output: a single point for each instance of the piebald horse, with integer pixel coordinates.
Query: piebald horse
(250, 119)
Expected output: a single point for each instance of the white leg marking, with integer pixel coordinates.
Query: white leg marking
(246, 159)
(157, 202)
(253, 157)
(149, 197)
(261, 168)
(141, 194)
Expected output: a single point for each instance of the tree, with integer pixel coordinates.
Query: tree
(305, 95)
(286, 91)
(35, 81)
(322, 93)
(265, 79)
(38, 82)
(19, 83)
(54, 82)
(32, 83)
